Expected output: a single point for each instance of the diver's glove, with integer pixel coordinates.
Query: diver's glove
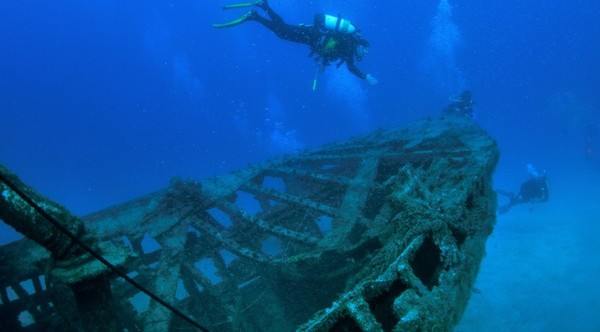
(371, 80)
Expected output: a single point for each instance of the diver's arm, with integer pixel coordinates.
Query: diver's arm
(354, 70)
(371, 80)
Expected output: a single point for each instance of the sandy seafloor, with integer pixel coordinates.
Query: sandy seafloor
(542, 268)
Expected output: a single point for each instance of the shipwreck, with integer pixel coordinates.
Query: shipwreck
(383, 232)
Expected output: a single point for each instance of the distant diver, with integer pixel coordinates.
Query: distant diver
(330, 38)
(533, 190)
(462, 106)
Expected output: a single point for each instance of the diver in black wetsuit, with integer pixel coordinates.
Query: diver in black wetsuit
(534, 190)
(463, 106)
(330, 38)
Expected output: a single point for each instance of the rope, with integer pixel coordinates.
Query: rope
(97, 256)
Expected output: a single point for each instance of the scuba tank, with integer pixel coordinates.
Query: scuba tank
(334, 23)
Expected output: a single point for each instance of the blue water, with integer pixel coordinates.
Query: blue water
(103, 101)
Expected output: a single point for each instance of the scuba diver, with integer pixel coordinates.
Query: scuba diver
(330, 38)
(462, 106)
(533, 190)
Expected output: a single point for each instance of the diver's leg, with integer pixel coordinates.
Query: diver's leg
(272, 14)
(282, 30)
(297, 34)
(266, 22)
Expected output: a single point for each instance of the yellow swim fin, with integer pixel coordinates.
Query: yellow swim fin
(235, 22)
(244, 5)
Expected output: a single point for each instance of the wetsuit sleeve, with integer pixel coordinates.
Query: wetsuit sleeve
(354, 70)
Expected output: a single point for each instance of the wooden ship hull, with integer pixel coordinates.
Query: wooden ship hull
(383, 232)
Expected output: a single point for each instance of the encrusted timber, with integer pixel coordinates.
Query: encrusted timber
(246, 182)
(279, 231)
(449, 222)
(174, 266)
(208, 225)
(355, 303)
(218, 191)
(228, 243)
(290, 199)
(158, 318)
(347, 185)
(16, 269)
(308, 175)
(25, 301)
(73, 251)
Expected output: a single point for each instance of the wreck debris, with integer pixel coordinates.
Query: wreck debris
(59, 232)
(383, 232)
